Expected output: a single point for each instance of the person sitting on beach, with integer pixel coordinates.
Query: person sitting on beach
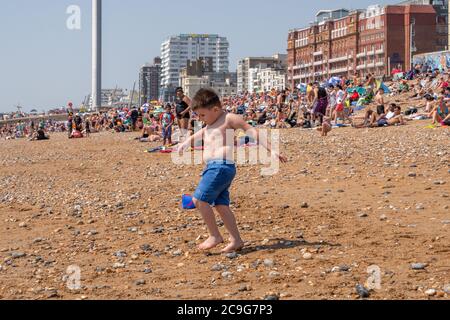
(397, 118)
(149, 135)
(370, 120)
(220, 172)
(446, 121)
(440, 111)
(39, 135)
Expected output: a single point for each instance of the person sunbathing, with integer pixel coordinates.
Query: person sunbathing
(149, 135)
(440, 111)
(397, 118)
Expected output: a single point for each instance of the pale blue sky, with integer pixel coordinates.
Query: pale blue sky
(45, 65)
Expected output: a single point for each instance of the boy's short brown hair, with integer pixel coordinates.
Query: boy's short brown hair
(205, 98)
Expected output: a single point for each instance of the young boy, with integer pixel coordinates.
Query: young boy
(167, 119)
(326, 127)
(221, 169)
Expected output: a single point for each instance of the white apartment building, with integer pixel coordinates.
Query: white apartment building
(192, 84)
(253, 83)
(277, 61)
(265, 79)
(269, 79)
(177, 50)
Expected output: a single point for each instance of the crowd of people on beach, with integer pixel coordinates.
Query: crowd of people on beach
(359, 102)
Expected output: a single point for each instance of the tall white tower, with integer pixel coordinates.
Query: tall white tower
(96, 53)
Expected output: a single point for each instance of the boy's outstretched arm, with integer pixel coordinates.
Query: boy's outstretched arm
(186, 144)
(237, 123)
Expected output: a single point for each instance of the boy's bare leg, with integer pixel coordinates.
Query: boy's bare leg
(215, 238)
(229, 221)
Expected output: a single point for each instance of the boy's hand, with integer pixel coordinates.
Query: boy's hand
(182, 148)
(281, 157)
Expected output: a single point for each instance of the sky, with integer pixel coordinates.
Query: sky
(44, 65)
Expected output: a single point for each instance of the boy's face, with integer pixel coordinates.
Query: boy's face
(208, 116)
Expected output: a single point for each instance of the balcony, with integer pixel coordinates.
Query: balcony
(338, 59)
(317, 53)
(370, 65)
(361, 55)
(371, 53)
(317, 63)
(340, 70)
(380, 51)
(379, 64)
(360, 67)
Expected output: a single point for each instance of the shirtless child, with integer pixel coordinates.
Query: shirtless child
(218, 176)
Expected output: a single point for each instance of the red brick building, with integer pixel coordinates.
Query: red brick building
(371, 41)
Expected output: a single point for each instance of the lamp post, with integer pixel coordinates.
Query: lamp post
(96, 54)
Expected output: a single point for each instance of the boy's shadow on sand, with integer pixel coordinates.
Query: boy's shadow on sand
(287, 244)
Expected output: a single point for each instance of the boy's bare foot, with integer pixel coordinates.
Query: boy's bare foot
(211, 243)
(234, 246)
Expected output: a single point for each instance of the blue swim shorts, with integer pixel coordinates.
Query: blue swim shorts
(215, 183)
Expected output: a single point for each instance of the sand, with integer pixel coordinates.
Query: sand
(355, 199)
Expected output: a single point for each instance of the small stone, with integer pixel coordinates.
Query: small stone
(304, 205)
(119, 265)
(146, 248)
(38, 240)
(274, 274)
(120, 254)
(447, 288)
(307, 256)
(22, 225)
(217, 267)
(412, 174)
(177, 253)
(419, 266)
(17, 255)
(439, 183)
(244, 287)
(420, 206)
(362, 291)
(383, 217)
(268, 263)
(272, 297)
(227, 274)
(147, 271)
(431, 292)
(232, 255)
(140, 282)
(363, 215)
(52, 293)
(344, 268)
